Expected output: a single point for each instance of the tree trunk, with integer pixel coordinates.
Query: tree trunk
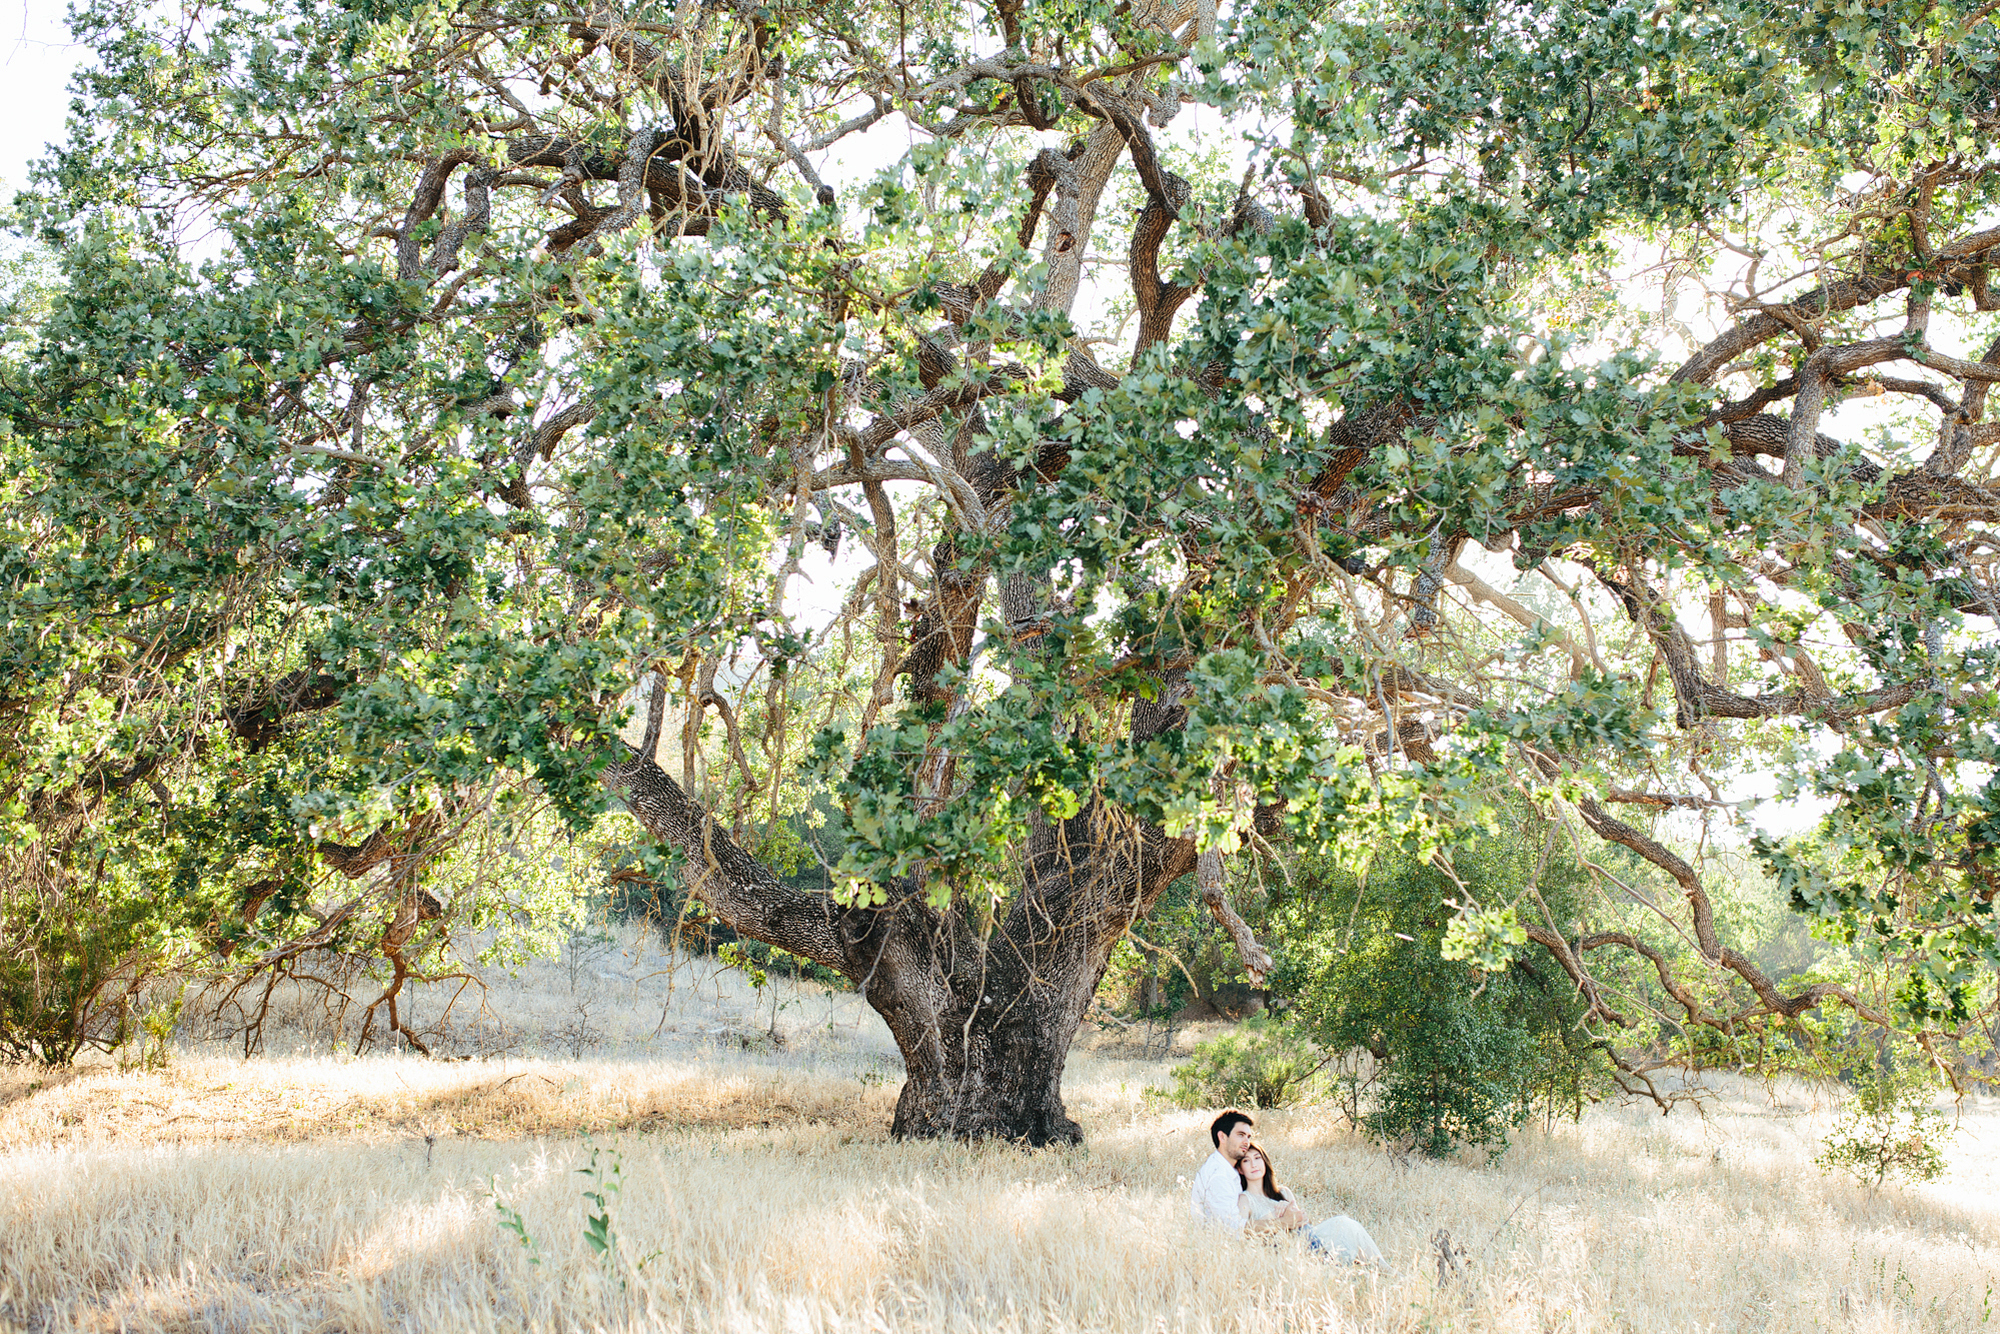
(983, 1015)
(989, 1068)
(985, 1026)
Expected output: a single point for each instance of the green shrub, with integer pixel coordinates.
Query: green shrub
(72, 962)
(1889, 1128)
(1261, 1064)
(1462, 1055)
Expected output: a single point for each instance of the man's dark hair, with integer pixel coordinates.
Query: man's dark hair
(1225, 1123)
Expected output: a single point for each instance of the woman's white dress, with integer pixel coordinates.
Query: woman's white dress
(1262, 1206)
(1345, 1240)
(1339, 1238)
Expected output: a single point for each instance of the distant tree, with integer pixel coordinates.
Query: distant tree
(431, 386)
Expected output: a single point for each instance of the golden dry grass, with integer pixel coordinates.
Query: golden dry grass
(373, 1100)
(319, 1192)
(300, 1194)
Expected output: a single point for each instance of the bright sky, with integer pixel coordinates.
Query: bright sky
(36, 59)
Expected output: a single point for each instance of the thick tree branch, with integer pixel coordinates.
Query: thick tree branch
(1697, 697)
(741, 890)
(1208, 880)
(1962, 262)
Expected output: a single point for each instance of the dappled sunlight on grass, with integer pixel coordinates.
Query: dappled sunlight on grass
(393, 1097)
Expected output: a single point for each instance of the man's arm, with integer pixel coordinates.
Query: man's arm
(1215, 1199)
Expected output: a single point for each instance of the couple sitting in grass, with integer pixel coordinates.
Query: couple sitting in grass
(1237, 1189)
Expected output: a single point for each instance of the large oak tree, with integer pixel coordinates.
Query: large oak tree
(432, 391)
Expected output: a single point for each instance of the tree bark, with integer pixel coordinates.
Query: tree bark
(983, 1011)
(986, 1057)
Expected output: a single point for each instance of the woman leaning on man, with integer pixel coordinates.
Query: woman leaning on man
(1269, 1208)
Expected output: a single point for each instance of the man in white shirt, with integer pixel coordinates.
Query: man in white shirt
(1216, 1185)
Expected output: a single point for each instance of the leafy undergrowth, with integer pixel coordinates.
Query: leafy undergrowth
(392, 1193)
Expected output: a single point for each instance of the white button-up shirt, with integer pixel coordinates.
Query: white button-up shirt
(1216, 1188)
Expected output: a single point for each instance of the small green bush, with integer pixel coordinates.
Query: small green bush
(1261, 1064)
(1461, 1055)
(72, 962)
(1889, 1128)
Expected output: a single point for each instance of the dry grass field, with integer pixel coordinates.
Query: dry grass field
(757, 1190)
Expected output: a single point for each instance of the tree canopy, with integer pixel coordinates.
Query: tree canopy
(1060, 435)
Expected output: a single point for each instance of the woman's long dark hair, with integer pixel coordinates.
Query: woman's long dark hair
(1270, 1173)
